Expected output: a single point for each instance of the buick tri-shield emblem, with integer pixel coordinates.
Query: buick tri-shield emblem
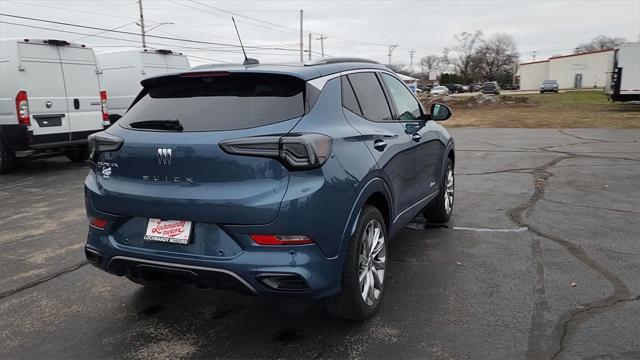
(164, 156)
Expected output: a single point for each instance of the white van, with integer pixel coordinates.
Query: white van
(123, 70)
(50, 99)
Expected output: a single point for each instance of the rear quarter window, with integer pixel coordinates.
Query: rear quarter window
(221, 102)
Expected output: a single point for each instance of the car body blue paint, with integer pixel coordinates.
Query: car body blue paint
(233, 196)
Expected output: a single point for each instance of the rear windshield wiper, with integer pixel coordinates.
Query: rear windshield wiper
(167, 125)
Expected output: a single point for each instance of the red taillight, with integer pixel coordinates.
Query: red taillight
(105, 111)
(97, 223)
(22, 108)
(281, 239)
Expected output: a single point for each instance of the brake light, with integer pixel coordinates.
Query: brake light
(105, 111)
(97, 223)
(22, 108)
(295, 151)
(205, 74)
(281, 239)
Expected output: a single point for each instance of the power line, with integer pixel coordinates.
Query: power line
(150, 36)
(225, 17)
(221, 49)
(111, 38)
(292, 30)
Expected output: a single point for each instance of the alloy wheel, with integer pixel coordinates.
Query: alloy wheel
(372, 262)
(449, 190)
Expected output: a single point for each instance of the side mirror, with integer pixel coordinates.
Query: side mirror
(440, 112)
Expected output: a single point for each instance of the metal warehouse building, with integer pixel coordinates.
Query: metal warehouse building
(586, 70)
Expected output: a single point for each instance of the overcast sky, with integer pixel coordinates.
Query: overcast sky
(352, 28)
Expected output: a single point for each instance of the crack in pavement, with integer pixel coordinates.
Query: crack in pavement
(42, 280)
(592, 207)
(565, 132)
(589, 309)
(621, 292)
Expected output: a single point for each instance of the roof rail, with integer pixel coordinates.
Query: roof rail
(338, 60)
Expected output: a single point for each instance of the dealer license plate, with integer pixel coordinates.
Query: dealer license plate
(168, 231)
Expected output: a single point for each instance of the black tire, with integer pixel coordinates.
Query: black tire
(79, 155)
(7, 160)
(437, 211)
(349, 303)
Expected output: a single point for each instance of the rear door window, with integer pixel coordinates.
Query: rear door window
(219, 101)
(370, 96)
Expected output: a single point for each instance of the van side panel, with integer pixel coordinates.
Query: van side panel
(83, 90)
(9, 84)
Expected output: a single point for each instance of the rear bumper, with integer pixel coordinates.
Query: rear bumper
(19, 138)
(260, 270)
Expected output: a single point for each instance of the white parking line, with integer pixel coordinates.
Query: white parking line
(520, 229)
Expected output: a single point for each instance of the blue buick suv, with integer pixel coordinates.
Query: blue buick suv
(268, 179)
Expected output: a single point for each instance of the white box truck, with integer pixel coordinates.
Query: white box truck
(122, 71)
(624, 83)
(50, 100)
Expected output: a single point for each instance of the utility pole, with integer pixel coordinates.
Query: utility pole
(514, 74)
(141, 24)
(301, 38)
(391, 48)
(321, 38)
(411, 52)
(309, 46)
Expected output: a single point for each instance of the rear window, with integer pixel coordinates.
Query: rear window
(222, 101)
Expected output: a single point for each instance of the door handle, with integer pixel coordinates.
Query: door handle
(379, 145)
(416, 137)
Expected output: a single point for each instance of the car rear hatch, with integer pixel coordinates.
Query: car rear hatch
(170, 164)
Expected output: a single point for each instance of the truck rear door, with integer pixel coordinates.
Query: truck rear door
(83, 90)
(44, 83)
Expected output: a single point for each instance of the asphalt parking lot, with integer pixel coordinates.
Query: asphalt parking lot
(540, 261)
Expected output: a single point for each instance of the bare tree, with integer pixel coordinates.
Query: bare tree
(461, 54)
(600, 42)
(494, 57)
(431, 63)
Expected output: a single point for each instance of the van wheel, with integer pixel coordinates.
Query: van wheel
(7, 160)
(440, 209)
(79, 155)
(364, 269)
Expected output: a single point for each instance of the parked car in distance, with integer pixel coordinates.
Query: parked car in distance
(425, 87)
(491, 87)
(122, 71)
(50, 100)
(549, 86)
(439, 90)
(476, 87)
(454, 88)
(466, 88)
(278, 180)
